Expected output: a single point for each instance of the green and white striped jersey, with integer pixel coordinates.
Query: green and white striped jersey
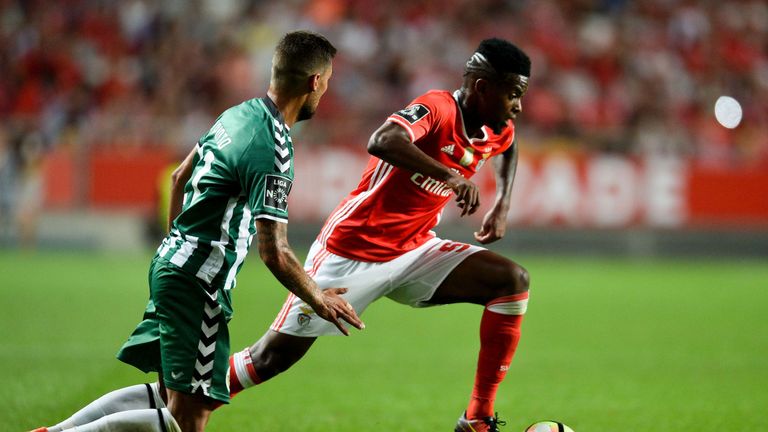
(243, 171)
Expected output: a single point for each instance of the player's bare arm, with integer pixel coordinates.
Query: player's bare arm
(179, 178)
(392, 144)
(495, 221)
(282, 262)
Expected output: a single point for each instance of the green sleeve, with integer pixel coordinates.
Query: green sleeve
(261, 180)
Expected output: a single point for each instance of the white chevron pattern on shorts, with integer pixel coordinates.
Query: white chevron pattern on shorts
(203, 369)
(200, 384)
(212, 313)
(206, 350)
(206, 346)
(210, 331)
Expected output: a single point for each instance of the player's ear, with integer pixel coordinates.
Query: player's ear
(481, 85)
(313, 83)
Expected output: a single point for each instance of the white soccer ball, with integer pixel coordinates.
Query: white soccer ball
(548, 426)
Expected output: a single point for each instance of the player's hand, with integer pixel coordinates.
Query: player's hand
(467, 194)
(334, 308)
(493, 228)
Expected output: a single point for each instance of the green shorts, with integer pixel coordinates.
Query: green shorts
(183, 334)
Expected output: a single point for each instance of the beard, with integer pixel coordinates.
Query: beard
(306, 112)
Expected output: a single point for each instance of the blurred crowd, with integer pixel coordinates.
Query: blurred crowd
(634, 77)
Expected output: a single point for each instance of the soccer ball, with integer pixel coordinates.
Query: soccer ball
(548, 426)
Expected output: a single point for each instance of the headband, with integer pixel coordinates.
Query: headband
(479, 63)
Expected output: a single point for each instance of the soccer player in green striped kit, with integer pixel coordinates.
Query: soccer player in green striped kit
(232, 186)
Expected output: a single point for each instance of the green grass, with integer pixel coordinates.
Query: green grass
(608, 345)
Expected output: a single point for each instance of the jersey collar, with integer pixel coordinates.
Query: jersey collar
(463, 127)
(273, 109)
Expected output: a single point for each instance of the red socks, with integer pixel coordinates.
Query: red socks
(242, 374)
(499, 335)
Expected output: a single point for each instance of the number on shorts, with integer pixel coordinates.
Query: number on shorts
(453, 246)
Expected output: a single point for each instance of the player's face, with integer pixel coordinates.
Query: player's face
(503, 102)
(310, 106)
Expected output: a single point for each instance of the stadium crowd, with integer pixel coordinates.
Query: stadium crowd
(608, 75)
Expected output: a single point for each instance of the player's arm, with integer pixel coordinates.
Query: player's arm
(495, 221)
(282, 262)
(392, 144)
(179, 178)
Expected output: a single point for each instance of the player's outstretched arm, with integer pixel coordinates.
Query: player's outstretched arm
(392, 144)
(282, 262)
(495, 221)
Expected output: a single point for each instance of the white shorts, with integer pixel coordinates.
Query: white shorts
(409, 279)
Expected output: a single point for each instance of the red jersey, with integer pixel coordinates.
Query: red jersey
(393, 210)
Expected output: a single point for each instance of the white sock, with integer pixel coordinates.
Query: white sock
(137, 397)
(142, 420)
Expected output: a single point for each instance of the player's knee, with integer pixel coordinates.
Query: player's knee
(516, 279)
(510, 279)
(523, 278)
(512, 296)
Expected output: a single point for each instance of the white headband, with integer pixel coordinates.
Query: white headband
(478, 63)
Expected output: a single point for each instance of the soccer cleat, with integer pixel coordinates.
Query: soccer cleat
(487, 424)
(41, 429)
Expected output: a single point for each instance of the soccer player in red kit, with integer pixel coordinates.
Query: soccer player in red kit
(379, 240)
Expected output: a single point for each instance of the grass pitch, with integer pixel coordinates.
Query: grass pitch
(608, 345)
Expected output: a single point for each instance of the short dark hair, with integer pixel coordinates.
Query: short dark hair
(502, 56)
(300, 54)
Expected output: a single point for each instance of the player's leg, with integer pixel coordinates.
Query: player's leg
(191, 411)
(137, 397)
(142, 420)
(501, 286)
(442, 272)
(271, 355)
(194, 345)
(296, 326)
(481, 278)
